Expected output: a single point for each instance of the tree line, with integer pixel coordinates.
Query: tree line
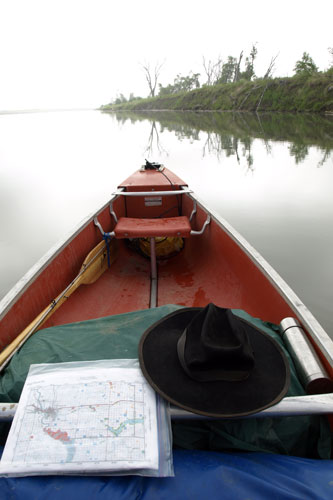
(216, 72)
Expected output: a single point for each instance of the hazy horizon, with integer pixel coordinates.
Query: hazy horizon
(79, 54)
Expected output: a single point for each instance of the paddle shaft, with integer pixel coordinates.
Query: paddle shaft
(14, 346)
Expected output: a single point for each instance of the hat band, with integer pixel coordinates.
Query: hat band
(211, 374)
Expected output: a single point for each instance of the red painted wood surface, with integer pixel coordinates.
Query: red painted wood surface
(123, 288)
(130, 227)
(150, 181)
(142, 180)
(210, 268)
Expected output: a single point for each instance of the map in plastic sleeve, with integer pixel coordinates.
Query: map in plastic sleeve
(95, 417)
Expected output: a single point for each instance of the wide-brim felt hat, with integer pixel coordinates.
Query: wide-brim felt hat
(211, 362)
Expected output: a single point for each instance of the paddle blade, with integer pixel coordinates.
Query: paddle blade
(92, 268)
(100, 264)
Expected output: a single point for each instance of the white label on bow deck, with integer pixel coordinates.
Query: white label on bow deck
(153, 201)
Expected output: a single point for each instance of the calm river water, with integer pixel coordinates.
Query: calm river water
(269, 175)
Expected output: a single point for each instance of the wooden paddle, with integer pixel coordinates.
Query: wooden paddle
(92, 268)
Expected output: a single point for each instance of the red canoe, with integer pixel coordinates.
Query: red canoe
(216, 265)
(194, 258)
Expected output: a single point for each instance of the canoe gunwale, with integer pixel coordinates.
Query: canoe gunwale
(32, 274)
(306, 318)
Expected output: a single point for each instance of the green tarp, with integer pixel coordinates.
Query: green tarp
(117, 337)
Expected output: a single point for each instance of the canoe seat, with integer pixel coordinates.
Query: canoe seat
(129, 227)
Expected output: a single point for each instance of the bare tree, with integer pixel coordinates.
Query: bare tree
(213, 70)
(269, 71)
(152, 75)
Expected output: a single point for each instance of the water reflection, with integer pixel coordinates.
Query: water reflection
(232, 134)
(154, 143)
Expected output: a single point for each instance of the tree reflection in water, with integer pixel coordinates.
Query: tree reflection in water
(232, 133)
(154, 142)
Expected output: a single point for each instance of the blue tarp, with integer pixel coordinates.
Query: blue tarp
(198, 474)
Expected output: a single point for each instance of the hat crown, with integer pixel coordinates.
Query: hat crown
(215, 346)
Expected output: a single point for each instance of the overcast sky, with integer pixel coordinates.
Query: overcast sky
(73, 53)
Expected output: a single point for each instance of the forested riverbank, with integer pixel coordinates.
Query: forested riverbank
(300, 93)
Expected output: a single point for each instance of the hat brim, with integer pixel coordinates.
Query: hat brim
(266, 385)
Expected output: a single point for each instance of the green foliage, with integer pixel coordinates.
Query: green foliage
(181, 84)
(121, 99)
(248, 73)
(305, 66)
(228, 70)
(299, 151)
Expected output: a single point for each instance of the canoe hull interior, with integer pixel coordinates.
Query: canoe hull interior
(212, 267)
